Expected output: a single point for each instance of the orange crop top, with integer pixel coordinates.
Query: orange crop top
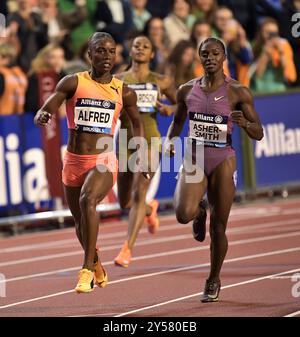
(95, 107)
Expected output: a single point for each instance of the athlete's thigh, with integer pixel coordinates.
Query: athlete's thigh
(187, 193)
(72, 196)
(97, 184)
(221, 188)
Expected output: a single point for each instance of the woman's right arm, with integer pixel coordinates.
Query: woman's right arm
(65, 89)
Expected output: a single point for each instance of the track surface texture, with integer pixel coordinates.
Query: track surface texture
(260, 275)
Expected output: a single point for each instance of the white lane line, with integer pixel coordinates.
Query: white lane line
(62, 231)
(102, 237)
(200, 293)
(43, 245)
(293, 314)
(74, 240)
(235, 216)
(155, 255)
(241, 258)
(278, 207)
(282, 277)
(149, 241)
(105, 248)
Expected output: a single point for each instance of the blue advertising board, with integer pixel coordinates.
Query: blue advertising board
(277, 155)
(23, 182)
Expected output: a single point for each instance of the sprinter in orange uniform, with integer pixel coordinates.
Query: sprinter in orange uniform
(94, 100)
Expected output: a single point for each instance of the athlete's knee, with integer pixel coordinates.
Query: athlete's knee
(87, 200)
(186, 213)
(183, 216)
(217, 230)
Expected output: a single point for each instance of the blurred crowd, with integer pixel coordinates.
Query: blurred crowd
(50, 37)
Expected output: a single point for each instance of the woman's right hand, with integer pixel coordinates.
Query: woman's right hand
(42, 118)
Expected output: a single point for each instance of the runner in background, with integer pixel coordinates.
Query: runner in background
(133, 187)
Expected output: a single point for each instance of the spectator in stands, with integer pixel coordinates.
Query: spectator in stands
(140, 14)
(45, 72)
(13, 82)
(282, 14)
(80, 63)
(81, 33)
(274, 65)
(239, 51)
(115, 18)
(28, 27)
(59, 24)
(201, 30)
(222, 16)
(262, 9)
(244, 11)
(180, 64)
(204, 9)
(155, 31)
(179, 22)
(283, 17)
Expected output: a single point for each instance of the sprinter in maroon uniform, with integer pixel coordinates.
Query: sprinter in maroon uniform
(212, 103)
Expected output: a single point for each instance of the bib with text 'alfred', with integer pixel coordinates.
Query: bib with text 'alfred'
(147, 94)
(94, 115)
(208, 129)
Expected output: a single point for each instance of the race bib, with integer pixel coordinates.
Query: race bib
(208, 129)
(147, 94)
(94, 115)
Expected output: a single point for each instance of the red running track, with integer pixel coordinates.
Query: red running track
(260, 276)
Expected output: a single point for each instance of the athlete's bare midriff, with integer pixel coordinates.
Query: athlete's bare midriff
(85, 143)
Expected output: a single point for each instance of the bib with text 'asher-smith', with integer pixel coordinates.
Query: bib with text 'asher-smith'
(147, 94)
(94, 115)
(209, 129)
(209, 113)
(95, 107)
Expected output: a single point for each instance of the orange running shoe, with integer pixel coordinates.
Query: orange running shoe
(101, 277)
(152, 219)
(123, 259)
(85, 281)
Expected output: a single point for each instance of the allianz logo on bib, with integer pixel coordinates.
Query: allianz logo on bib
(95, 103)
(106, 104)
(142, 86)
(278, 141)
(206, 117)
(218, 119)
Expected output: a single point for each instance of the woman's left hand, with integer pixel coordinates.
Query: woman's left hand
(238, 118)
